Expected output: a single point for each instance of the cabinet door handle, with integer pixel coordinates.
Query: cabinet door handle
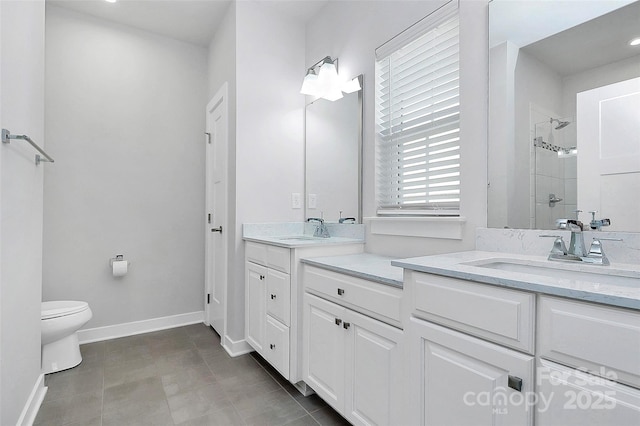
(515, 383)
(338, 321)
(272, 346)
(261, 277)
(340, 292)
(273, 296)
(346, 325)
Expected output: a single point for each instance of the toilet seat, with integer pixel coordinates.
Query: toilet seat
(61, 308)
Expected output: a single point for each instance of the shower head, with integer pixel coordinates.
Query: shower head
(561, 124)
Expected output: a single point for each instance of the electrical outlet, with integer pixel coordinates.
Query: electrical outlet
(313, 201)
(296, 200)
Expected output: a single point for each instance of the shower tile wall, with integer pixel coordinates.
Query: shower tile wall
(553, 175)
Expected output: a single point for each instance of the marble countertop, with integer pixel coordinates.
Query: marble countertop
(364, 265)
(300, 234)
(461, 265)
(292, 241)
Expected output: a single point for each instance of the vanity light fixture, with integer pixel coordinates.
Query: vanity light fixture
(322, 81)
(635, 42)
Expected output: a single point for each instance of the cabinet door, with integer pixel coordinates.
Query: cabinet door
(324, 350)
(570, 397)
(278, 296)
(277, 345)
(373, 371)
(461, 380)
(256, 316)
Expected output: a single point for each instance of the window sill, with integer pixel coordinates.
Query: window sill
(449, 228)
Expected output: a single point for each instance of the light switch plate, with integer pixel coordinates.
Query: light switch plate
(313, 201)
(296, 200)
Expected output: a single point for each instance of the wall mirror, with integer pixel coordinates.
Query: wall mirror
(564, 127)
(333, 158)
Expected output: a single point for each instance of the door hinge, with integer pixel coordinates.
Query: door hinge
(209, 218)
(208, 137)
(208, 299)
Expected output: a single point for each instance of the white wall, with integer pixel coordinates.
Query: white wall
(352, 31)
(269, 127)
(260, 53)
(125, 120)
(22, 112)
(221, 69)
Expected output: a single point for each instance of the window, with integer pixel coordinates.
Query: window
(418, 119)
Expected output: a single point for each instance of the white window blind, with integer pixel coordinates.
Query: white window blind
(418, 124)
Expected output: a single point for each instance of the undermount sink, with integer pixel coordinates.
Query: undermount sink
(300, 238)
(595, 274)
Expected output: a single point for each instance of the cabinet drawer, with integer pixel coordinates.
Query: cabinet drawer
(497, 314)
(601, 339)
(377, 300)
(278, 296)
(572, 397)
(276, 347)
(278, 258)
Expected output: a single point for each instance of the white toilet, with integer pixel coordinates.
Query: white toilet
(60, 322)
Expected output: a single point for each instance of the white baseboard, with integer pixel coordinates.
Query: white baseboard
(30, 411)
(236, 347)
(138, 327)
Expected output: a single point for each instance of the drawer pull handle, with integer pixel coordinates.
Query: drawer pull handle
(340, 292)
(338, 321)
(273, 296)
(346, 325)
(272, 346)
(515, 383)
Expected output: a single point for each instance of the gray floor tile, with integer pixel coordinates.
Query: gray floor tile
(274, 408)
(177, 376)
(237, 390)
(129, 371)
(173, 361)
(133, 397)
(66, 383)
(303, 421)
(226, 416)
(310, 403)
(186, 379)
(197, 403)
(75, 409)
(328, 417)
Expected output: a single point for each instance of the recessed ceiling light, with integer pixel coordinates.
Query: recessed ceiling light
(111, 1)
(635, 41)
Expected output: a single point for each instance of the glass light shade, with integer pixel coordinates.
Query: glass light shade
(328, 77)
(310, 85)
(333, 95)
(351, 86)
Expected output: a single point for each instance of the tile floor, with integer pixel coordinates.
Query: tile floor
(180, 376)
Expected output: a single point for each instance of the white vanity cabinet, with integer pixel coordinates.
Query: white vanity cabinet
(273, 302)
(458, 375)
(268, 289)
(589, 364)
(353, 361)
(482, 354)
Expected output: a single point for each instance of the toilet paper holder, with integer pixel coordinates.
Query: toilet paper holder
(118, 258)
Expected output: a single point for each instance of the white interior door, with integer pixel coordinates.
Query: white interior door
(608, 129)
(216, 224)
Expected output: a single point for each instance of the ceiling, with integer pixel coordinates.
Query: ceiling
(600, 41)
(191, 21)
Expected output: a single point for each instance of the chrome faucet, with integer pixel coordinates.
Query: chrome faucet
(576, 245)
(321, 228)
(577, 251)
